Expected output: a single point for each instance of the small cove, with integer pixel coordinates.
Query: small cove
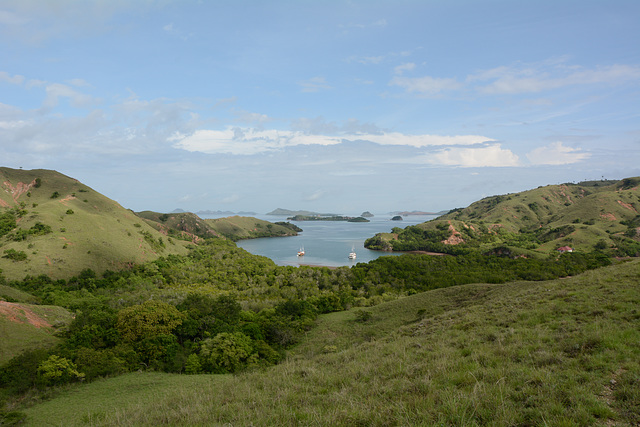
(327, 243)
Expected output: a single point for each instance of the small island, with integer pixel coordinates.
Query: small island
(397, 218)
(327, 218)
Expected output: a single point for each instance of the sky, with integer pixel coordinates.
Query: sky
(338, 106)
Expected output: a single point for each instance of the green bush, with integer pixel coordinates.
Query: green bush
(14, 255)
(58, 370)
(227, 352)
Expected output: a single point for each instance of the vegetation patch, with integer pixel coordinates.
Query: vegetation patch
(561, 352)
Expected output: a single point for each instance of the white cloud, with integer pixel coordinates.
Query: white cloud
(517, 79)
(426, 85)
(58, 90)
(396, 138)
(400, 69)
(15, 79)
(36, 21)
(173, 31)
(556, 154)
(366, 60)
(35, 83)
(486, 156)
(314, 84)
(539, 77)
(13, 124)
(248, 141)
(316, 195)
(79, 83)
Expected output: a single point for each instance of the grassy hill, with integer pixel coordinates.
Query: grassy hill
(53, 224)
(191, 227)
(184, 225)
(585, 216)
(27, 326)
(561, 352)
(242, 227)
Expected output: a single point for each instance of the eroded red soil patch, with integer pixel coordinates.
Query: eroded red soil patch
(627, 205)
(21, 314)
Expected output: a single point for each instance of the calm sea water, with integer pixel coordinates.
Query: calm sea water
(327, 243)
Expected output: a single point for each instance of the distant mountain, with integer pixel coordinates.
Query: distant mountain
(287, 212)
(53, 224)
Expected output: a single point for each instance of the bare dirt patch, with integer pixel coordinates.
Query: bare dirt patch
(20, 188)
(627, 205)
(609, 216)
(22, 314)
(455, 238)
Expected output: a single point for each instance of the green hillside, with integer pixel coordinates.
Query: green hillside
(184, 225)
(585, 216)
(560, 352)
(243, 227)
(55, 225)
(28, 326)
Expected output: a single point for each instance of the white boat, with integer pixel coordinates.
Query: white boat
(352, 254)
(301, 252)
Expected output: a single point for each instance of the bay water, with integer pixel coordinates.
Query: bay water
(327, 243)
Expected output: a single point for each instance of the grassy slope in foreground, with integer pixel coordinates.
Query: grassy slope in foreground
(561, 352)
(88, 230)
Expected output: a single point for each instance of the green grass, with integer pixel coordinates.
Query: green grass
(18, 335)
(241, 227)
(8, 293)
(562, 352)
(94, 404)
(99, 234)
(582, 217)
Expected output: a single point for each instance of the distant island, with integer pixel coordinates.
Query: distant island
(327, 218)
(209, 212)
(287, 212)
(407, 213)
(366, 214)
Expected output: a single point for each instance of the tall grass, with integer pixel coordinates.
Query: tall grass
(563, 352)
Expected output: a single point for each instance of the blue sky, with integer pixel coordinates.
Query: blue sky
(332, 106)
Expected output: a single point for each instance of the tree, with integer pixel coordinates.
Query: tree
(227, 352)
(58, 370)
(148, 320)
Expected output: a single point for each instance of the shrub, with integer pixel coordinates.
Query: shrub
(58, 370)
(14, 255)
(362, 315)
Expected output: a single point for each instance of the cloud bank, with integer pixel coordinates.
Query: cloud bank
(248, 141)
